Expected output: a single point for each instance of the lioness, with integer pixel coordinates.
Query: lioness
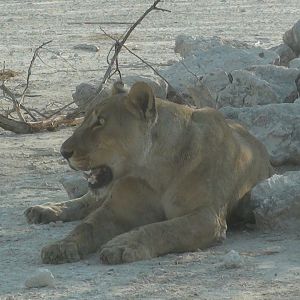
(163, 178)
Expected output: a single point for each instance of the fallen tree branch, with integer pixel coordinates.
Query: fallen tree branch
(33, 127)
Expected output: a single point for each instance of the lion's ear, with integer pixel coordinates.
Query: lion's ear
(118, 88)
(141, 101)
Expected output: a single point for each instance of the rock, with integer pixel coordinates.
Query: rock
(286, 54)
(83, 94)
(292, 38)
(232, 260)
(158, 85)
(260, 85)
(85, 91)
(186, 45)
(75, 185)
(295, 63)
(276, 202)
(188, 71)
(41, 278)
(246, 89)
(277, 126)
(201, 96)
(87, 47)
(297, 101)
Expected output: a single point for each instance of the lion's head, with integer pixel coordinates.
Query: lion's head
(113, 136)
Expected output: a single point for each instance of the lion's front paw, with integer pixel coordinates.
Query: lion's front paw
(41, 214)
(119, 251)
(60, 252)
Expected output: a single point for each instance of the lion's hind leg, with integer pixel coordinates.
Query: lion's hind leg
(71, 210)
(187, 233)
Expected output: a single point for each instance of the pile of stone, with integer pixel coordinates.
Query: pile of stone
(259, 88)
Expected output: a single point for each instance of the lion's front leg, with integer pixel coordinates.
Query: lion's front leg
(75, 209)
(186, 233)
(131, 205)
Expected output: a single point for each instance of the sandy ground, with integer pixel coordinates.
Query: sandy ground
(31, 165)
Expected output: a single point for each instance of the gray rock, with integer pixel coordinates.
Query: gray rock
(286, 54)
(277, 202)
(75, 185)
(246, 89)
(186, 45)
(277, 126)
(292, 38)
(188, 71)
(87, 47)
(295, 63)
(260, 85)
(159, 87)
(86, 92)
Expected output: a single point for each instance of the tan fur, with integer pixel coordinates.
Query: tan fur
(177, 174)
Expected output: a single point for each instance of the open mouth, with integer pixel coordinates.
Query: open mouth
(99, 177)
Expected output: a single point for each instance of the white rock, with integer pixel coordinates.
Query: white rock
(295, 63)
(277, 126)
(87, 47)
(186, 45)
(188, 71)
(260, 85)
(83, 94)
(246, 89)
(85, 91)
(41, 278)
(286, 54)
(232, 260)
(75, 185)
(292, 38)
(277, 202)
(158, 86)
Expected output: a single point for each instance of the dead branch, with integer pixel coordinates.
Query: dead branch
(120, 44)
(100, 23)
(35, 54)
(179, 98)
(33, 127)
(23, 126)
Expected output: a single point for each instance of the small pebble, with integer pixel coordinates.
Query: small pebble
(40, 278)
(86, 47)
(233, 260)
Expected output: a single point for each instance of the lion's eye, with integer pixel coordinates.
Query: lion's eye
(100, 121)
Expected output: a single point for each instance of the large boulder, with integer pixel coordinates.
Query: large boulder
(192, 68)
(276, 202)
(85, 92)
(186, 45)
(260, 85)
(292, 38)
(286, 54)
(295, 63)
(277, 126)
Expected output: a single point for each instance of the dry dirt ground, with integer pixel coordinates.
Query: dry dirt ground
(31, 165)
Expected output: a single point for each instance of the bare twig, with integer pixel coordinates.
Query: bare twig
(120, 44)
(35, 54)
(60, 109)
(100, 23)
(181, 99)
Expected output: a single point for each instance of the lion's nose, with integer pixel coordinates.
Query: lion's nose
(66, 154)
